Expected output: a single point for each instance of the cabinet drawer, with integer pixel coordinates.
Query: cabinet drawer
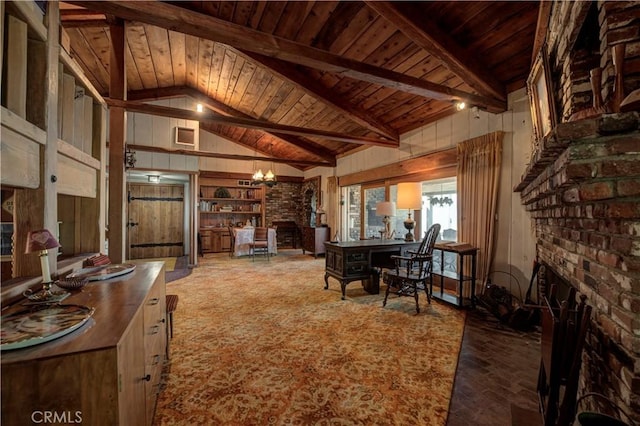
(357, 257)
(357, 269)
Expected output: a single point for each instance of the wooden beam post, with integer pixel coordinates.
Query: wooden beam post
(38, 208)
(117, 133)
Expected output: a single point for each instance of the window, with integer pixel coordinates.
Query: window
(439, 205)
(372, 223)
(351, 219)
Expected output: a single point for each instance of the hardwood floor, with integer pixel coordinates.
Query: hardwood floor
(498, 367)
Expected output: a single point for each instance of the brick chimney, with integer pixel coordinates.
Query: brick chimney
(582, 187)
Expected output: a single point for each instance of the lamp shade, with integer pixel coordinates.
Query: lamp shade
(410, 195)
(386, 208)
(40, 240)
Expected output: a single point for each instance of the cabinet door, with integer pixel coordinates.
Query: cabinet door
(216, 242)
(207, 244)
(154, 344)
(131, 374)
(225, 241)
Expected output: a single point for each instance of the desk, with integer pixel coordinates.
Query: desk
(244, 236)
(444, 267)
(357, 260)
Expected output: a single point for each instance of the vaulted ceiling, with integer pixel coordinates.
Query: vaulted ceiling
(308, 81)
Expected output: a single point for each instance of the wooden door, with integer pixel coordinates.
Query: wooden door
(156, 220)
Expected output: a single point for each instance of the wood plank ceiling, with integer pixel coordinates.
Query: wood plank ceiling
(309, 81)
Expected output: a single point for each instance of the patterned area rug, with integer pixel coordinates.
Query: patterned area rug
(262, 343)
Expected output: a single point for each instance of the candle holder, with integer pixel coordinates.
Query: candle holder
(40, 242)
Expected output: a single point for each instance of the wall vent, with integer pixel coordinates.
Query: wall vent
(185, 136)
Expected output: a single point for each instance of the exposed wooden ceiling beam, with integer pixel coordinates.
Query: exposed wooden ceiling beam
(204, 117)
(426, 34)
(221, 108)
(544, 13)
(178, 19)
(148, 148)
(288, 72)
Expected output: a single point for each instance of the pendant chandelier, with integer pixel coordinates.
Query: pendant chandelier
(269, 179)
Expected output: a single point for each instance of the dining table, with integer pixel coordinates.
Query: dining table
(244, 237)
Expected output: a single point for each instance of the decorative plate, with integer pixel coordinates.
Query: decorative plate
(41, 324)
(103, 272)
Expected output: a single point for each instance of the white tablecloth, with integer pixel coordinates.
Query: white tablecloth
(244, 236)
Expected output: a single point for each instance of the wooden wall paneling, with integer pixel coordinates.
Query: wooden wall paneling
(87, 136)
(75, 178)
(117, 132)
(50, 150)
(20, 160)
(67, 223)
(16, 74)
(78, 118)
(445, 161)
(99, 138)
(163, 132)
(68, 107)
(19, 125)
(60, 98)
(36, 83)
(28, 208)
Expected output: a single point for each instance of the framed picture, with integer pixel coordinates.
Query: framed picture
(540, 91)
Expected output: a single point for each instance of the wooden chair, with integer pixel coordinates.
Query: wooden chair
(232, 235)
(412, 272)
(260, 243)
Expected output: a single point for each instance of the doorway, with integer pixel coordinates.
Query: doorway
(155, 226)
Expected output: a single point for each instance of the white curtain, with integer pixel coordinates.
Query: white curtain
(331, 205)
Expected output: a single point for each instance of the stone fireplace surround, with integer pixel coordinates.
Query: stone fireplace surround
(582, 187)
(583, 194)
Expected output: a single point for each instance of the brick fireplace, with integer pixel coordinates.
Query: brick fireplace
(582, 187)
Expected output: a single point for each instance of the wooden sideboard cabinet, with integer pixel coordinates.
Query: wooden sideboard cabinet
(215, 240)
(313, 239)
(105, 373)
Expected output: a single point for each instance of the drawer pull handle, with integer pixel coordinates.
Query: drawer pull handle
(154, 301)
(147, 377)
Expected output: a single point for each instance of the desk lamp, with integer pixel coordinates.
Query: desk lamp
(386, 209)
(41, 241)
(409, 197)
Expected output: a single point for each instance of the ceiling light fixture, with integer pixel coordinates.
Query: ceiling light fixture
(153, 178)
(460, 105)
(269, 179)
(199, 108)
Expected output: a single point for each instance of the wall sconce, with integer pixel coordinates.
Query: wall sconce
(153, 178)
(129, 158)
(199, 108)
(460, 105)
